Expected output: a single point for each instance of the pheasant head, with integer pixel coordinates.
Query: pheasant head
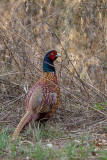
(50, 57)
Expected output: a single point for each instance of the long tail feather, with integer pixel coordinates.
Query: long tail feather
(26, 118)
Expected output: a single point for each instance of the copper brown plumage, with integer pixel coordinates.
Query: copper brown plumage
(43, 99)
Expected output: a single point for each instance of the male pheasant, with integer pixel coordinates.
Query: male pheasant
(43, 99)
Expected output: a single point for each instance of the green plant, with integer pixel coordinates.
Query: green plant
(4, 141)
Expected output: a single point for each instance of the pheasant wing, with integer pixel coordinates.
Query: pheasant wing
(49, 100)
(36, 98)
(37, 101)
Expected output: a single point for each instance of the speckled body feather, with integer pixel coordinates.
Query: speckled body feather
(48, 98)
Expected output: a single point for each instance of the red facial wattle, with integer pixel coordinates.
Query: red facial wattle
(52, 55)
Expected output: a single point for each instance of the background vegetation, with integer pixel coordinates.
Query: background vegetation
(78, 30)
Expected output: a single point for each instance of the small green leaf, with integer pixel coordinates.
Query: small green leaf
(104, 103)
(98, 106)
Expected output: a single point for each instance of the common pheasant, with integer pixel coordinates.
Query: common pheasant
(43, 99)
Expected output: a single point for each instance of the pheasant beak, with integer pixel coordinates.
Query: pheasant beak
(58, 55)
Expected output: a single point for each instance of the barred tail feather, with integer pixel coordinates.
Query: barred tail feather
(26, 118)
